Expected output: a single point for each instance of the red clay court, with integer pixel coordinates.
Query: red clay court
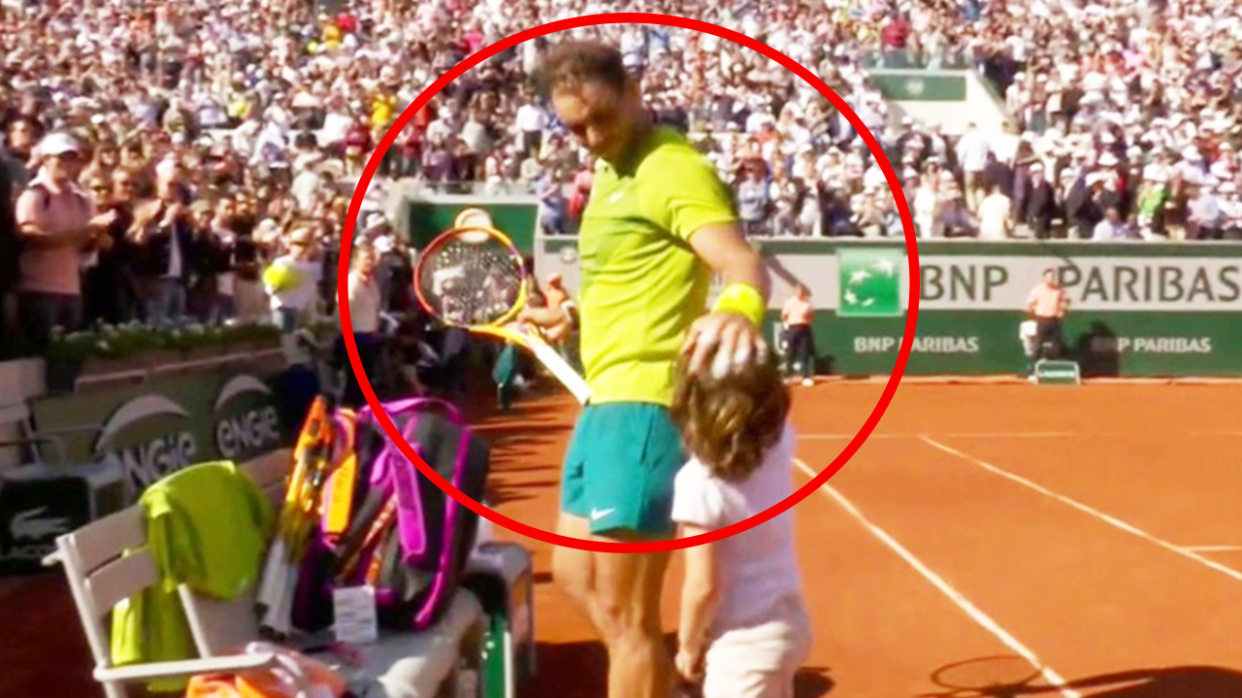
(984, 531)
(988, 540)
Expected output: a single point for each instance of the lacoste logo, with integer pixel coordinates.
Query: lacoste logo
(28, 526)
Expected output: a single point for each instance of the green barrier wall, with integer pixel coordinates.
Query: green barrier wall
(164, 425)
(920, 86)
(516, 217)
(1141, 309)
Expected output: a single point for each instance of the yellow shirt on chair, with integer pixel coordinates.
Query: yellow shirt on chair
(207, 527)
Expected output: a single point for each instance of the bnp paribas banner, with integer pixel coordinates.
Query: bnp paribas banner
(1136, 309)
(161, 426)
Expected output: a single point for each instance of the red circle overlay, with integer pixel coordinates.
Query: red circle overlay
(347, 235)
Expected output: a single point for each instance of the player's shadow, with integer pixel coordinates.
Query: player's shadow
(580, 670)
(1098, 353)
(501, 491)
(1170, 682)
(570, 670)
(812, 682)
(1164, 682)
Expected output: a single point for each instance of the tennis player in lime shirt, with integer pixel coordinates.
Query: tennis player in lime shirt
(659, 223)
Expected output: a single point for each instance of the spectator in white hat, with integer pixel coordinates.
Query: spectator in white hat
(57, 224)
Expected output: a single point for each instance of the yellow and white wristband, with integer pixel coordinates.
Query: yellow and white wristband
(747, 301)
(743, 299)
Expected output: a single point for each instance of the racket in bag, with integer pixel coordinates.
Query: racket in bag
(385, 524)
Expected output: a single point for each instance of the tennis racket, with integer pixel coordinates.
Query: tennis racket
(473, 277)
(309, 469)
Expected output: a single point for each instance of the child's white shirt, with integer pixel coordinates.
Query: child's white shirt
(759, 567)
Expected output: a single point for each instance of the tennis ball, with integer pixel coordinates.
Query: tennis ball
(279, 277)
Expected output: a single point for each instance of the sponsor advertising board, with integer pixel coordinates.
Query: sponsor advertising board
(40, 502)
(159, 427)
(1139, 309)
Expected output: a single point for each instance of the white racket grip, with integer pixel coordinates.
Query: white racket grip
(289, 594)
(271, 569)
(271, 607)
(277, 616)
(559, 367)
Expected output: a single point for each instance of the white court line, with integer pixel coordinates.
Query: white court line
(1212, 548)
(1106, 518)
(1053, 678)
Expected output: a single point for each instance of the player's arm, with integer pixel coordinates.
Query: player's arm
(687, 196)
(723, 248)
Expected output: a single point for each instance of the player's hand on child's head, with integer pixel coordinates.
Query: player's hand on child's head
(723, 342)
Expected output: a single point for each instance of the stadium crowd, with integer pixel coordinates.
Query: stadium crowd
(158, 157)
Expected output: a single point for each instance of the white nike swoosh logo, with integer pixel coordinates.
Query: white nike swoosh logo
(597, 515)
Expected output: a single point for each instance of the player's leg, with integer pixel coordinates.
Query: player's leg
(627, 606)
(626, 597)
(572, 569)
(621, 594)
(636, 454)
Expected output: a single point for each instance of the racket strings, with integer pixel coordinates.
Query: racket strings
(471, 283)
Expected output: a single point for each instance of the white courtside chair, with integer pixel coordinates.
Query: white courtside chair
(399, 665)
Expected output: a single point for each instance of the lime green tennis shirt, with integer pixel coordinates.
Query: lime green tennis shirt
(642, 285)
(206, 527)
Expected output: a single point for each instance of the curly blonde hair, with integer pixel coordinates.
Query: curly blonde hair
(731, 423)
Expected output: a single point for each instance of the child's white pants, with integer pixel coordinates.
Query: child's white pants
(760, 661)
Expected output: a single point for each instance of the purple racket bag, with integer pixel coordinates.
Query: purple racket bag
(405, 534)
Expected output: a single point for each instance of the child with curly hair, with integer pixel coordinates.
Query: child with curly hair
(744, 628)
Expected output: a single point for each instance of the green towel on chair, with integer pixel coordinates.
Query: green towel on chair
(207, 527)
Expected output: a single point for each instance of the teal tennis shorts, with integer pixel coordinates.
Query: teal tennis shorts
(620, 468)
